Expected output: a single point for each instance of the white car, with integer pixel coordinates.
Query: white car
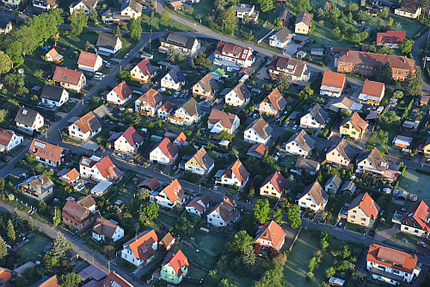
(101, 75)
(126, 55)
(421, 243)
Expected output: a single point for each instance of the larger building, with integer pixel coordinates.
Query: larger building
(296, 71)
(234, 56)
(188, 46)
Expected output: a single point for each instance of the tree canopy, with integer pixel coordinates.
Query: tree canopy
(261, 211)
(384, 73)
(5, 63)
(78, 21)
(59, 247)
(135, 29)
(413, 83)
(294, 218)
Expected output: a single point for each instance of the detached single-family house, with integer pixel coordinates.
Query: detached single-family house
(29, 120)
(171, 196)
(201, 163)
(188, 46)
(89, 62)
(164, 110)
(402, 141)
(416, 220)
(70, 176)
(174, 79)
(5, 25)
(143, 71)
(271, 236)
(332, 84)
(296, 71)
(105, 230)
(314, 118)
(150, 183)
(348, 188)
(257, 151)
(273, 104)
(313, 197)
(223, 214)
(363, 210)
(189, 114)
(333, 184)
(86, 127)
(340, 153)
(409, 9)
(198, 205)
(87, 5)
(174, 267)
(37, 187)
(390, 39)
(9, 140)
(44, 4)
(281, 39)
(338, 104)
(372, 161)
(303, 23)
(180, 140)
(246, 10)
(300, 144)
(128, 141)
(239, 96)
(108, 44)
(131, 9)
(219, 121)
(205, 88)
(46, 153)
(235, 175)
(372, 92)
(54, 96)
(99, 168)
(274, 185)
(148, 104)
(48, 281)
(140, 249)
(53, 56)
(114, 280)
(353, 126)
(5, 275)
(69, 79)
(164, 152)
(258, 131)
(233, 56)
(120, 94)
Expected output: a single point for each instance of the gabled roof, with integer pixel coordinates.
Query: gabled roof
(273, 233)
(203, 158)
(192, 108)
(392, 258)
(390, 37)
(367, 204)
(226, 210)
(278, 181)
(105, 227)
(238, 52)
(335, 179)
(258, 148)
(177, 39)
(261, 127)
(209, 83)
(47, 282)
(152, 97)
(420, 212)
(316, 192)
(89, 3)
(303, 140)
(304, 17)
(226, 119)
(26, 116)
(276, 99)
(104, 165)
(176, 75)
(174, 191)
(133, 5)
(333, 79)
(167, 106)
(238, 169)
(114, 280)
(181, 138)
(6, 136)
(152, 183)
(132, 136)
(52, 92)
(5, 275)
(146, 67)
(88, 59)
(87, 201)
(64, 75)
(373, 59)
(123, 90)
(45, 150)
(177, 260)
(409, 6)
(318, 114)
(287, 65)
(195, 203)
(167, 239)
(375, 157)
(284, 35)
(52, 53)
(38, 183)
(242, 91)
(88, 123)
(372, 88)
(345, 150)
(356, 121)
(4, 21)
(142, 245)
(167, 148)
(75, 212)
(107, 40)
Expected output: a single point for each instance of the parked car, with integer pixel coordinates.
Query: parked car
(126, 55)
(421, 243)
(176, 94)
(294, 128)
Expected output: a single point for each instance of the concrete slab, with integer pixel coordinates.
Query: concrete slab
(90, 145)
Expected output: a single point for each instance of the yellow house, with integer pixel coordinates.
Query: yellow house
(69, 79)
(363, 210)
(201, 163)
(426, 147)
(353, 126)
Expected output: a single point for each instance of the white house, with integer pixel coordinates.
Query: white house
(140, 249)
(273, 104)
(313, 197)
(29, 120)
(148, 104)
(296, 71)
(108, 44)
(120, 94)
(85, 4)
(258, 132)
(198, 205)
(332, 84)
(131, 9)
(274, 185)
(143, 71)
(164, 152)
(128, 141)
(221, 121)
(372, 93)
(235, 174)
(54, 96)
(189, 114)
(223, 214)
(9, 140)
(372, 161)
(186, 45)
(46, 153)
(164, 110)
(416, 220)
(69, 79)
(44, 4)
(99, 168)
(89, 62)
(314, 118)
(333, 184)
(340, 153)
(233, 56)
(86, 127)
(246, 10)
(409, 9)
(105, 229)
(201, 163)
(271, 236)
(174, 79)
(171, 196)
(281, 39)
(239, 96)
(300, 144)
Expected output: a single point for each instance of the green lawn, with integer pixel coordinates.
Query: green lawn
(197, 273)
(212, 244)
(128, 193)
(157, 25)
(78, 42)
(32, 251)
(126, 47)
(416, 183)
(403, 240)
(354, 227)
(388, 215)
(238, 281)
(167, 219)
(289, 161)
(197, 258)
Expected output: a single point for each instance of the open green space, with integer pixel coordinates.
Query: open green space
(388, 216)
(127, 193)
(416, 183)
(169, 220)
(197, 273)
(238, 281)
(78, 41)
(156, 24)
(289, 161)
(403, 240)
(355, 227)
(198, 258)
(212, 244)
(33, 250)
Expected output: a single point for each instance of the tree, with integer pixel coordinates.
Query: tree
(279, 216)
(26, 37)
(330, 272)
(398, 26)
(229, 22)
(143, 193)
(31, 224)
(384, 73)
(313, 264)
(3, 115)
(266, 5)
(261, 211)
(248, 257)
(2, 182)
(5, 63)
(78, 21)
(337, 33)
(180, 57)
(15, 14)
(3, 248)
(70, 280)
(16, 219)
(10, 233)
(301, 6)
(283, 83)
(93, 15)
(294, 218)
(87, 46)
(413, 83)
(116, 30)
(384, 12)
(398, 94)
(306, 93)
(240, 242)
(135, 28)
(59, 247)
(406, 46)
(171, 54)
(165, 16)
(14, 51)
(149, 211)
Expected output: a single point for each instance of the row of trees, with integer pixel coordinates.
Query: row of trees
(413, 84)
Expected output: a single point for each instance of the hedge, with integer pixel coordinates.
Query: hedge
(367, 189)
(423, 171)
(94, 245)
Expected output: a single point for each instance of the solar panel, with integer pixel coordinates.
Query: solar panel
(290, 67)
(39, 144)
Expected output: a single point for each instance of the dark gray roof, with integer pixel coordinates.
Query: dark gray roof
(319, 114)
(192, 108)
(26, 116)
(106, 40)
(133, 5)
(89, 3)
(177, 75)
(344, 148)
(303, 140)
(52, 92)
(3, 21)
(335, 179)
(177, 39)
(309, 164)
(284, 35)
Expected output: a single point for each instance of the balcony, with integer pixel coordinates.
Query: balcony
(385, 274)
(176, 118)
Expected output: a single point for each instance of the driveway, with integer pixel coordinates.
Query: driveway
(387, 233)
(291, 49)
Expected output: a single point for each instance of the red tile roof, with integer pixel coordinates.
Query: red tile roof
(356, 121)
(390, 37)
(276, 99)
(373, 59)
(105, 166)
(88, 59)
(174, 191)
(142, 66)
(372, 88)
(73, 174)
(51, 282)
(45, 150)
(239, 170)
(142, 245)
(226, 119)
(333, 79)
(167, 148)
(273, 233)
(278, 181)
(113, 278)
(122, 90)
(181, 138)
(367, 204)
(258, 148)
(152, 97)
(195, 203)
(152, 183)
(420, 212)
(407, 261)
(132, 136)
(64, 75)
(238, 52)
(88, 122)
(75, 212)
(5, 275)
(177, 260)
(52, 52)
(304, 17)
(6, 136)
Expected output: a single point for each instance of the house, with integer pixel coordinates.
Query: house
(48, 282)
(391, 266)
(410, 125)
(105, 230)
(273, 104)
(20, 270)
(140, 249)
(53, 96)
(114, 280)
(120, 94)
(167, 242)
(303, 23)
(37, 187)
(239, 96)
(69, 79)
(274, 185)
(201, 163)
(340, 153)
(416, 220)
(426, 147)
(409, 9)
(53, 56)
(424, 100)
(143, 71)
(390, 39)
(235, 175)
(5, 25)
(46, 153)
(44, 4)
(148, 104)
(332, 84)
(271, 236)
(257, 151)
(363, 210)
(372, 93)
(171, 196)
(176, 5)
(246, 11)
(180, 141)
(339, 104)
(174, 267)
(198, 205)
(131, 9)
(348, 188)
(89, 62)
(307, 165)
(164, 152)
(284, 15)
(79, 215)
(87, 5)
(223, 214)
(70, 176)
(233, 56)
(174, 79)
(314, 118)
(258, 131)
(164, 110)
(313, 197)
(296, 71)
(9, 140)
(188, 46)
(5, 275)
(205, 88)
(353, 126)
(86, 127)
(333, 184)
(29, 120)
(189, 114)
(128, 141)
(300, 144)
(366, 63)
(281, 39)
(219, 121)
(371, 161)
(150, 183)
(108, 44)
(99, 168)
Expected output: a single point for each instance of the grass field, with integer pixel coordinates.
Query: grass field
(78, 41)
(416, 183)
(197, 258)
(167, 219)
(128, 193)
(403, 240)
(32, 251)
(238, 281)
(197, 273)
(212, 244)
(388, 214)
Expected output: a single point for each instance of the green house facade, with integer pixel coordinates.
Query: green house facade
(174, 268)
